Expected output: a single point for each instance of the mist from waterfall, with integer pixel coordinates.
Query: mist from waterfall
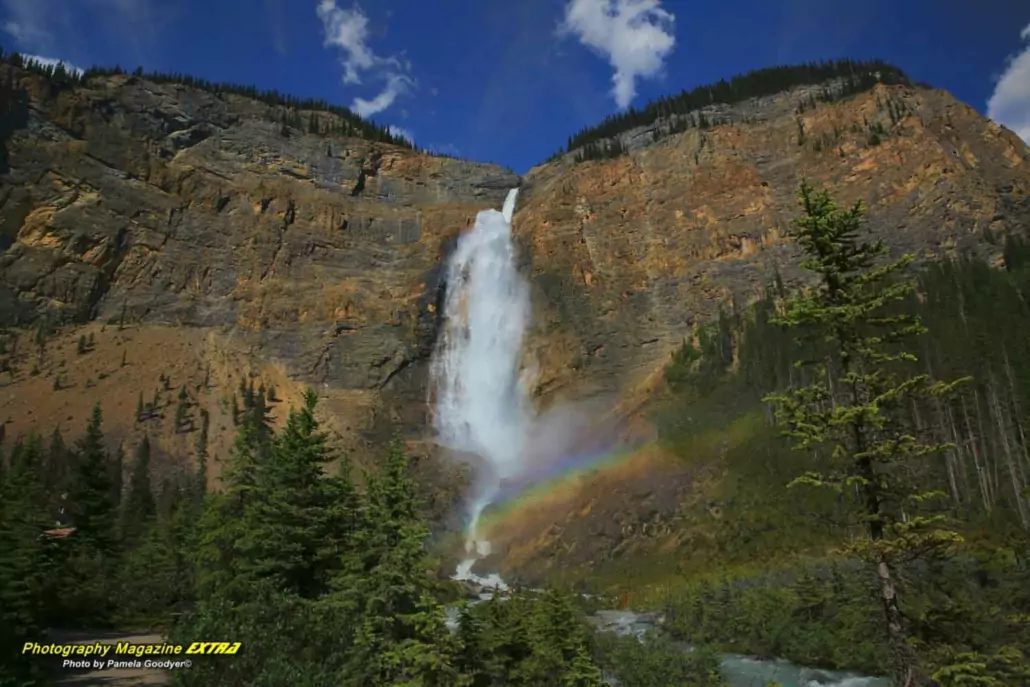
(482, 404)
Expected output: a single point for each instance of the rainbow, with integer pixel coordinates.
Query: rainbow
(559, 480)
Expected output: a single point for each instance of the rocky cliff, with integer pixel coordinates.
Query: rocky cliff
(222, 243)
(628, 254)
(196, 238)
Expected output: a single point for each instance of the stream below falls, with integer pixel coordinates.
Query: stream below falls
(739, 671)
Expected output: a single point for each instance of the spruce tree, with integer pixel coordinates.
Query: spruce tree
(59, 466)
(222, 527)
(853, 408)
(300, 523)
(23, 563)
(181, 408)
(269, 544)
(202, 440)
(402, 637)
(91, 492)
(138, 509)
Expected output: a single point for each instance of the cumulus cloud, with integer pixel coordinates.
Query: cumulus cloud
(1010, 103)
(635, 36)
(403, 133)
(53, 62)
(347, 30)
(396, 84)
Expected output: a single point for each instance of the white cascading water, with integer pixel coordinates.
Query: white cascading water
(482, 405)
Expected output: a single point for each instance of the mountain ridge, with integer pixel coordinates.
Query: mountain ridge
(203, 240)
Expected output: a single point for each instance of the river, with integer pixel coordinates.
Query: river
(739, 671)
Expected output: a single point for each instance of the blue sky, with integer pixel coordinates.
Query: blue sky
(509, 81)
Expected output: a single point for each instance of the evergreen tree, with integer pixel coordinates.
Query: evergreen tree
(402, 637)
(181, 408)
(59, 467)
(202, 439)
(139, 508)
(269, 545)
(854, 406)
(222, 528)
(91, 492)
(299, 525)
(23, 563)
(261, 421)
(117, 468)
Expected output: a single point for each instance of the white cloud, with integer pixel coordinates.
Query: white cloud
(53, 62)
(404, 133)
(636, 36)
(1010, 103)
(347, 30)
(396, 84)
(55, 26)
(26, 22)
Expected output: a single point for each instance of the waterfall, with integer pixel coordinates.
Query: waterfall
(481, 401)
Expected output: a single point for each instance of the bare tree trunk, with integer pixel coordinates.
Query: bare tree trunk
(935, 423)
(991, 484)
(1003, 437)
(906, 668)
(1021, 461)
(985, 495)
(960, 453)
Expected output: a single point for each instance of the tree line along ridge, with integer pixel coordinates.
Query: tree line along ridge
(350, 125)
(684, 111)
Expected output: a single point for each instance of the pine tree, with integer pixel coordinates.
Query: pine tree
(59, 465)
(300, 523)
(181, 408)
(117, 467)
(269, 544)
(23, 567)
(222, 527)
(138, 509)
(93, 507)
(202, 439)
(402, 636)
(855, 402)
(261, 420)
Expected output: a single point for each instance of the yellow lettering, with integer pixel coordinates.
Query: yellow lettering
(233, 648)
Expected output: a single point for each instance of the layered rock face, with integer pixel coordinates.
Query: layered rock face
(228, 244)
(165, 205)
(627, 255)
